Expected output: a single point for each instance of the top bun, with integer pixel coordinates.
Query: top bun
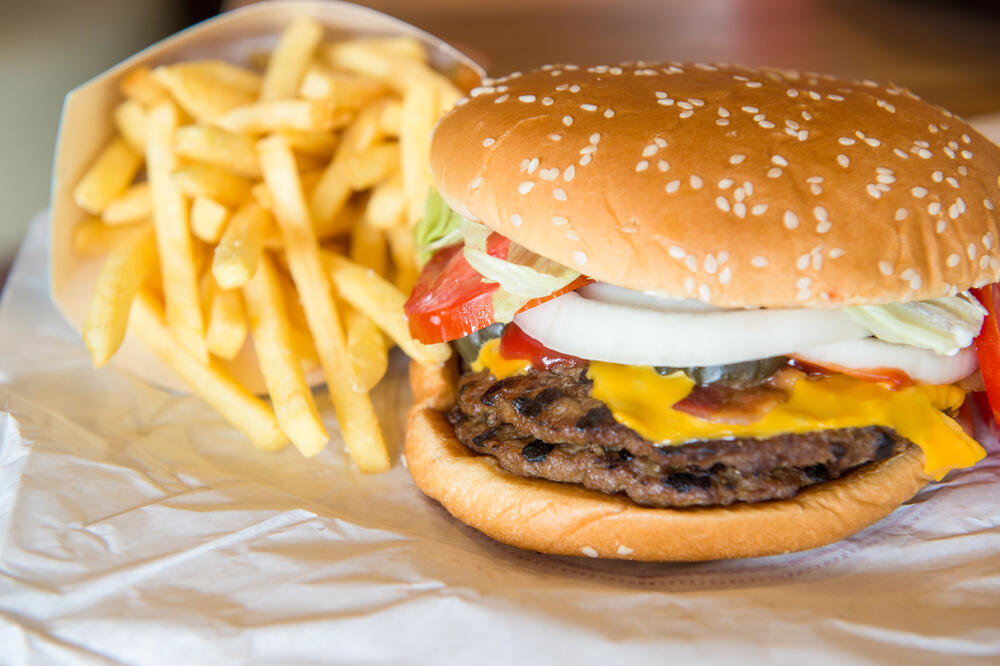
(736, 185)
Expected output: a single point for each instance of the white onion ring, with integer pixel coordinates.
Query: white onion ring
(631, 335)
(921, 365)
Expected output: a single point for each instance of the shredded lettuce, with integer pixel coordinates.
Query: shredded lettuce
(944, 325)
(439, 228)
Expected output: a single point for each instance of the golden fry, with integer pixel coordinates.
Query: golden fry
(208, 380)
(372, 166)
(133, 205)
(140, 85)
(355, 412)
(207, 89)
(382, 302)
(208, 219)
(130, 119)
(108, 177)
(92, 237)
(281, 367)
(288, 62)
(239, 249)
(387, 204)
(403, 249)
(419, 113)
(340, 88)
(173, 238)
(227, 324)
(201, 180)
(218, 147)
(126, 268)
(368, 247)
(367, 349)
(313, 144)
(298, 114)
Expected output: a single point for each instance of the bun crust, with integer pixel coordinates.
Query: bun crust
(568, 520)
(735, 185)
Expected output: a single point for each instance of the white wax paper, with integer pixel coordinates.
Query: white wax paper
(137, 527)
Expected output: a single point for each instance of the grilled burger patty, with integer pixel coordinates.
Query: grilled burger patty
(546, 424)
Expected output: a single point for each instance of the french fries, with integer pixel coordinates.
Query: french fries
(224, 209)
(279, 362)
(126, 268)
(355, 412)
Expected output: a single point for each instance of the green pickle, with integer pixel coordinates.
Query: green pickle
(748, 372)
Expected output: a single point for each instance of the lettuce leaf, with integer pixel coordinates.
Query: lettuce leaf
(440, 227)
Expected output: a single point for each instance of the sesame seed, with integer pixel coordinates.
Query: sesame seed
(954, 211)
(676, 252)
(665, 102)
(574, 88)
(572, 235)
(791, 219)
(937, 176)
(548, 174)
(696, 182)
(971, 251)
(650, 150)
(758, 262)
(691, 262)
(758, 209)
(559, 194)
(750, 109)
(824, 226)
(924, 153)
(662, 165)
(740, 209)
(673, 186)
(476, 183)
(687, 106)
(559, 220)
(779, 160)
(753, 84)
(722, 203)
(722, 122)
(487, 142)
(885, 268)
(726, 183)
(919, 192)
(516, 220)
(533, 164)
(569, 173)
(584, 160)
(641, 165)
(836, 253)
(967, 154)
(660, 141)
(704, 292)
(567, 120)
(988, 204)
(792, 92)
(901, 214)
(934, 207)
(820, 213)
(501, 99)
(766, 124)
(941, 226)
(901, 153)
(873, 191)
(739, 194)
(547, 101)
(589, 107)
(966, 138)
(525, 187)
(737, 158)
(608, 113)
(846, 141)
(802, 263)
(711, 265)
(660, 94)
(526, 98)
(587, 550)
(625, 550)
(685, 114)
(579, 257)
(595, 138)
(774, 172)
(723, 112)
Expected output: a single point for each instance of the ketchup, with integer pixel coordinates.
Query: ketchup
(516, 344)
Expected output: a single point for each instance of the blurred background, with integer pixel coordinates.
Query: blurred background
(948, 51)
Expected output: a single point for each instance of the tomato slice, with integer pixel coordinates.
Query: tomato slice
(516, 344)
(988, 346)
(451, 300)
(892, 378)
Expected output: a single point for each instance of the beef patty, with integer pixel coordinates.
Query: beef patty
(546, 424)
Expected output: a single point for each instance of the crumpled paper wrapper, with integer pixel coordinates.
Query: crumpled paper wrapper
(137, 527)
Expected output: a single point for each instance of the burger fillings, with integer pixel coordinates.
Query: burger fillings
(654, 225)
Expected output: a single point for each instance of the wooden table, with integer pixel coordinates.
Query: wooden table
(947, 52)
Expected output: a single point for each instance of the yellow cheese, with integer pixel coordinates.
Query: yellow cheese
(642, 400)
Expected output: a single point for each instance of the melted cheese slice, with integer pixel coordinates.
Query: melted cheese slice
(641, 399)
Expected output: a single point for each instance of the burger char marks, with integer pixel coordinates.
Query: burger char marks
(546, 424)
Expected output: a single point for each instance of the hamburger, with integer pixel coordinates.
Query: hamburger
(703, 311)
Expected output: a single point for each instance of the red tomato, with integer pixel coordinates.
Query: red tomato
(988, 346)
(892, 378)
(451, 300)
(516, 344)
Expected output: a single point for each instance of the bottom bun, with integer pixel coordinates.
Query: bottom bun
(566, 519)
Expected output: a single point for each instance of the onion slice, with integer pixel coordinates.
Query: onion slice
(618, 333)
(921, 365)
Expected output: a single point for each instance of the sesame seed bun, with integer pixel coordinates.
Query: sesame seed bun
(565, 519)
(735, 185)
